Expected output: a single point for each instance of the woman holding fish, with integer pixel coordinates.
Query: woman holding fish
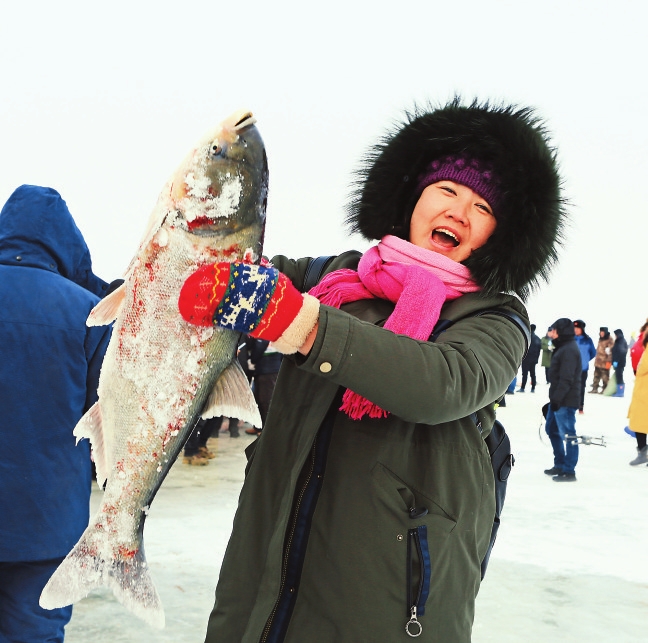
(368, 505)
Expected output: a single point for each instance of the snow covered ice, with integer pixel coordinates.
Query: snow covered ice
(568, 564)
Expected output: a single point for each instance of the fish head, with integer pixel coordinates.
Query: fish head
(220, 191)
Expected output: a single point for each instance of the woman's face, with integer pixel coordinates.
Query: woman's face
(452, 220)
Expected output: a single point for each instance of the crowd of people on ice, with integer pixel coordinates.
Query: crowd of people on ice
(566, 352)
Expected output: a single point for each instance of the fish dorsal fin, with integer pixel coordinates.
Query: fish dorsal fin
(90, 426)
(106, 311)
(232, 397)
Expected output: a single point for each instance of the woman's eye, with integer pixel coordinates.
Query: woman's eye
(449, 190)
(485, 208)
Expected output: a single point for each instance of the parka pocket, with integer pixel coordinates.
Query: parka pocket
(427, 526)
(408, 502)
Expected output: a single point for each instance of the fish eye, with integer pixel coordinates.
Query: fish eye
(215, 150)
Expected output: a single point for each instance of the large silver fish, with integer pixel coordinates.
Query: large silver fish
(160, 374)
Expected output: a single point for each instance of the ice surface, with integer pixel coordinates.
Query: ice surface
(568, 564)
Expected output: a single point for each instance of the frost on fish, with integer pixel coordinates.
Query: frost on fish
(220, 207)
(91, 565)
(160, 374)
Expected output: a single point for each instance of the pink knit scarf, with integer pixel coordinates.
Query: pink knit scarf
(407, 275)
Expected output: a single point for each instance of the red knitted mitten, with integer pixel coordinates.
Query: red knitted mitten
(257, 300)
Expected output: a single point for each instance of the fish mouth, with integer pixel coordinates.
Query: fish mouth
(445, 238)
(230, 130)
(234, 124)
(243, 120)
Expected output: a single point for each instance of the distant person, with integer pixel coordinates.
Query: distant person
(602, 361)
(49, 373)
(619, 356)
(638, 411)
(547, 351)
(564, 396)
(264, 362)
(234, 425)
(530, 360)
(588, 353)
(638, 347)
(196, 453)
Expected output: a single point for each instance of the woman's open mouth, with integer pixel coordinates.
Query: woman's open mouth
(445, 238)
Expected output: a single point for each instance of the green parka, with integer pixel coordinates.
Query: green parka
(427, 454)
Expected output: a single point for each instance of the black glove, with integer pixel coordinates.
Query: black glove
(113, 285)
(554, 406)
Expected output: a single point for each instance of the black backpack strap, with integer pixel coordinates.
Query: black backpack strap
(514, 317)
(314, 271)
(444, 324)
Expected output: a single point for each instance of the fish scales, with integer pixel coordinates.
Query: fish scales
(160, 373)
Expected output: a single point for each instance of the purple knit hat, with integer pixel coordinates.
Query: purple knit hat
(469, 172)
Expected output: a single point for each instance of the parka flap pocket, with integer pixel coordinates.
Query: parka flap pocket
(411, 503)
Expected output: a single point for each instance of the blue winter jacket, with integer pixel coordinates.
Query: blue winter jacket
(587, 350)
(49, 371)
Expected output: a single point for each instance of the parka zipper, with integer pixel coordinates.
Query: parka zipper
(291, 534)
(417, 553)
(308, 488)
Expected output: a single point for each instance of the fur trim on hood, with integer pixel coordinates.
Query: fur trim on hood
(513, 142)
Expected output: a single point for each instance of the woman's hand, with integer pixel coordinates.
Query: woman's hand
(305, 348)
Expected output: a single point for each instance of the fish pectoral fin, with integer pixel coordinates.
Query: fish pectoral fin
(232, 397)
(91, 426)
(106, 311)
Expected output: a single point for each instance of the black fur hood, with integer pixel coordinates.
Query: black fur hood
(530, 210)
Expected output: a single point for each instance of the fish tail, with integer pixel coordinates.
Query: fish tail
(85, 569)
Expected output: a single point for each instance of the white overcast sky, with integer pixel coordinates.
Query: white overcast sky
(103, 100)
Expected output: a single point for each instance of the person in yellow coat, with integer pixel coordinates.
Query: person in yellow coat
(638, 411)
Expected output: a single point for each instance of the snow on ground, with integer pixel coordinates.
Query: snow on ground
(567, 566)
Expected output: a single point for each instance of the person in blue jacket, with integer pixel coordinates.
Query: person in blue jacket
(588, 353)
(49, 371)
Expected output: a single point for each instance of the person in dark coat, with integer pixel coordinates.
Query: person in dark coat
(196, 452)
(530, 360)
(49, 373)
(264, 362)
(564, 397)
(588, 353)
(619, 356)
(368, 504)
